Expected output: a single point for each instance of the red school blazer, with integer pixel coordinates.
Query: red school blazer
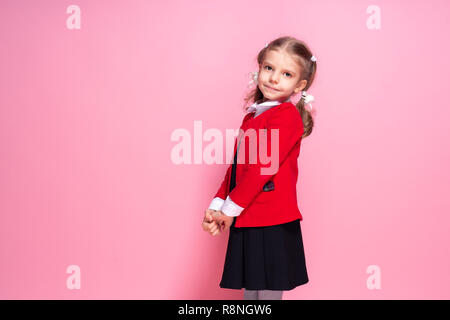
(279, 204)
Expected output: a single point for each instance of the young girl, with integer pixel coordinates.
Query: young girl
(265, 253)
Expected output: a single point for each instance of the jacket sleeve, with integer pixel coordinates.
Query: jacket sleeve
(222, 193)
(255, 175)
(219, 198)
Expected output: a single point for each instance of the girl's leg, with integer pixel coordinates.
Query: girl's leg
(250, 294)
(270, 294)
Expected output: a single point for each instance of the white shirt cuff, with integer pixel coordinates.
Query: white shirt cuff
(230, 208)
(216, 203)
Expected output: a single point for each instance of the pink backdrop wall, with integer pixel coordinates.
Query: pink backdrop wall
(87, 115)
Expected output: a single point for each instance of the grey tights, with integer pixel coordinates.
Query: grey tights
(262, 294)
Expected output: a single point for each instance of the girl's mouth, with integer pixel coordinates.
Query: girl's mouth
(271, 88)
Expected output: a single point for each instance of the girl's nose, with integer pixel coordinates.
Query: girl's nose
(274, 78)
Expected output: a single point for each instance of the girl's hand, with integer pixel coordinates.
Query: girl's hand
(222, 220)
(208, 224)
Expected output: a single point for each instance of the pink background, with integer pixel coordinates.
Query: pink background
(86, 120)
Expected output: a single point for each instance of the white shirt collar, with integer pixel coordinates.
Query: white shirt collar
(259, 108)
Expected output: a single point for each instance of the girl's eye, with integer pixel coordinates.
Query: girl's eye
(267, 68)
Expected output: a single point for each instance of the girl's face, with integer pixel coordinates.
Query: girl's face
(279, 76)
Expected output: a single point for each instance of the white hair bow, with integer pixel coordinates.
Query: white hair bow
(307, 98)
(254, 76)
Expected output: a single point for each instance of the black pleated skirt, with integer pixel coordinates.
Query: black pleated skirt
(265, 258)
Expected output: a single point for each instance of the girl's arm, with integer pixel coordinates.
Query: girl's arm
(219, 198)
(222, 193)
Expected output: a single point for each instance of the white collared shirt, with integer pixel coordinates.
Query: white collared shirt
(227, 206)
(259, 108)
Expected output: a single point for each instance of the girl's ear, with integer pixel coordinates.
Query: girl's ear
(301, 86)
